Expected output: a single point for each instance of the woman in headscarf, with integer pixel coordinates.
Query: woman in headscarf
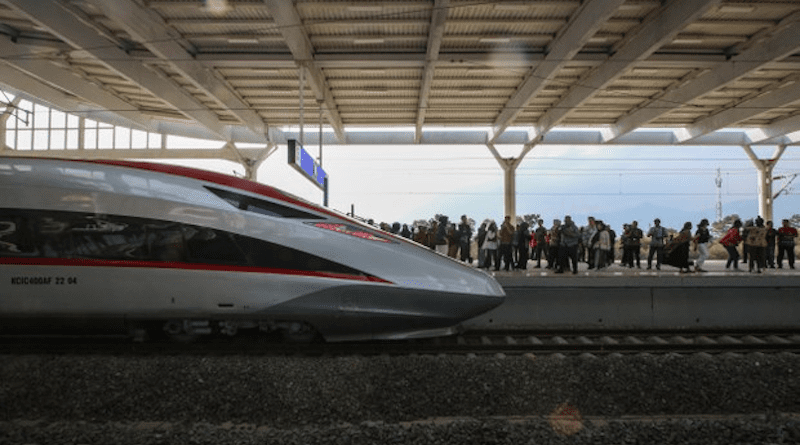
(677, 251)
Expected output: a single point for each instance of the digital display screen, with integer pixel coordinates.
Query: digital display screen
(302, 161)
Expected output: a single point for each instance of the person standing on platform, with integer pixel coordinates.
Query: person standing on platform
(635, 243)
(588, 232)
(432, 234)
(523, 244)
(490, 246)
(623, 240)
(568, 249)
(678, 249)
(786, 237)
(601, 246)
(612, 241)
(506, 238)
(441, 235)
(481, 239)
(702, 238)
(770, 253)
(465, 239)
(757, 242)
(405, 232)
(453, 240)
(540, 237)
(515, 247)
(553, 245)
(746, 247)
(421, 235)
(657, 235)
(730, 241)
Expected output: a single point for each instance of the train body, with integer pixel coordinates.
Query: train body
(132, 246)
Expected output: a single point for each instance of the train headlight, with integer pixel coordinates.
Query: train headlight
(351, 230)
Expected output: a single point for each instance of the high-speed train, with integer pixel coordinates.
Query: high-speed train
(144, 247)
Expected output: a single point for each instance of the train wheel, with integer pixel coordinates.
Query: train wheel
(181, 331)
(299, 332)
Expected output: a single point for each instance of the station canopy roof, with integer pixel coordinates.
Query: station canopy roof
(687, 71)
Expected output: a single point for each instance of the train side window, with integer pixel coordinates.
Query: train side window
(164, 241)
(53, 233)
(262, 253)
(261, 206)
(204, 245)
(108, 237)
(15, 237)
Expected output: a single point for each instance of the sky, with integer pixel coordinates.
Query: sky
(615, 184)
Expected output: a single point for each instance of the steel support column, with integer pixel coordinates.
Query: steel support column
(509, 166)
(251, 164)
(765, 167)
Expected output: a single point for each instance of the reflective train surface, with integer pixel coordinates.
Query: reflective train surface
(139, 247)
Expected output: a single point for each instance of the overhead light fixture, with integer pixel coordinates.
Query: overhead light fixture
(687, 41)
(645, 70)
(598, 39)
(243, 41)
(217, 7)
(470, 90)
(365, 8)
(368, 41)
(265, 71)
(494, 40)
(736, 9)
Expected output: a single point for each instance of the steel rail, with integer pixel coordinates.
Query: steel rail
(568, 343)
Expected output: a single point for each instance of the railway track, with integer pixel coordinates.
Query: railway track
(566, 343)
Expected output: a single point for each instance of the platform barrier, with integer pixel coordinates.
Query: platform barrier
(658, 302)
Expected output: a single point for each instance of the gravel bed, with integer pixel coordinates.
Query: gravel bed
(752, 430)
(82, 399)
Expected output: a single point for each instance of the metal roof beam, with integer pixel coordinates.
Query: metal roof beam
(65, 80)
(525, 137)
(768, 101)
(779, 45)
(589, 18)
(142, 153)
(150, 30)
(777, 133)
(286, 17)
(59, 19)
(658, 29)
(417, 60)
(435, 35)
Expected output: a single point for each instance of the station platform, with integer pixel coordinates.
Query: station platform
(619, 298)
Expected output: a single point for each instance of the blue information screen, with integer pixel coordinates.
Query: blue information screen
(302, 161)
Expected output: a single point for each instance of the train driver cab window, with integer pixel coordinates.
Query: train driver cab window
(261, 206)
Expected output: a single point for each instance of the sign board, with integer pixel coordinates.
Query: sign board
(302, 161)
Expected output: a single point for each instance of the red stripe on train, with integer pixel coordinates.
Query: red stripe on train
(81, 262)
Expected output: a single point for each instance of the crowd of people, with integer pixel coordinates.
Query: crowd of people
(564, 244)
